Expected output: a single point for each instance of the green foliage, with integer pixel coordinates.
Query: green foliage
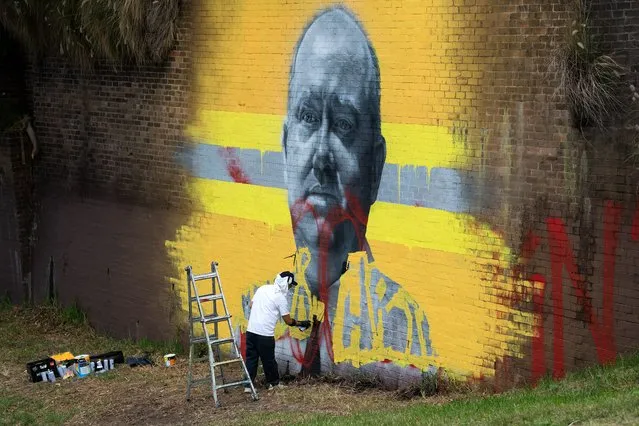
(120, 31)
(5, 302)
(151, 346)
(588, 78)
(74, 314)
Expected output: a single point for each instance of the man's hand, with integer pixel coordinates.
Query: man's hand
(304, 324)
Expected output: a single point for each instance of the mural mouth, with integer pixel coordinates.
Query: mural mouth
(322, 196)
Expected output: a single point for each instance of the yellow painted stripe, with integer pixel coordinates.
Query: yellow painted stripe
(431, 69)
(406, 144)
(394, 223)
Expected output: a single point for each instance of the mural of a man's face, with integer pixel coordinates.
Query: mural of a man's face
(333, 148)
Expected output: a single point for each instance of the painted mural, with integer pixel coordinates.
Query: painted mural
(318, 146)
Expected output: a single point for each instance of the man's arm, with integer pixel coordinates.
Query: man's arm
(288, 320)
(292, 322)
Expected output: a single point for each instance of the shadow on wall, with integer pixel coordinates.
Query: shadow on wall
(110, 191)
(109, 258)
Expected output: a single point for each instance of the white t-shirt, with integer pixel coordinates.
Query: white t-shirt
(269, 305)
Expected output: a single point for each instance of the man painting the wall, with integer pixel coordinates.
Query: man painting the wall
(269, 304)
(334, 153)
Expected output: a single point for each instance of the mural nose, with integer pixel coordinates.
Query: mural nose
(323, 160)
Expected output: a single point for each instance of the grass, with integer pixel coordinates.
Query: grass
(598, 395)
(155, 395)
(550, 404)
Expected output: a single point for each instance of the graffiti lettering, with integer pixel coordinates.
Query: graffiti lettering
(561, 256)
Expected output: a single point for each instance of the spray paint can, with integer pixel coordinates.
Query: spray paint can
(169, 360)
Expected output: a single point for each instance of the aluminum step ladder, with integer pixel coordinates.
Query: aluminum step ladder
(212, 338)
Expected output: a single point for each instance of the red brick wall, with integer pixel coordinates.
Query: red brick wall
(110, 187)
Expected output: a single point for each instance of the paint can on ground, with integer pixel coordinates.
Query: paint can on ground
(83, 368)
(169, 360)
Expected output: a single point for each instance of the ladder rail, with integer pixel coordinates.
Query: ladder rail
(208, 345)
(216, 277)
(235, 347)
(189, 380)
(192, 282)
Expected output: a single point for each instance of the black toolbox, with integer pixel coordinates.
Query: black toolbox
(36, 367)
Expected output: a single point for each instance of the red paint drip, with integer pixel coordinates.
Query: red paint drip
(531, 243)
(233, 166)
(538, 361)
(559, 252)
(358, 218)
(635, 225)
(243, 344)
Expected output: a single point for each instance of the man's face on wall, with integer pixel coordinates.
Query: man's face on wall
(333, 154)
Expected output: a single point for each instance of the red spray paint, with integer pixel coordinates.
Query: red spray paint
(561, 256)
(538, 361)
(602, 331)
(635, 225)
(233, 166)
(355, 215)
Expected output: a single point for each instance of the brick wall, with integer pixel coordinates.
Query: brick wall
(10, 266)
(503, 242)
(16, 172)
(110, 187)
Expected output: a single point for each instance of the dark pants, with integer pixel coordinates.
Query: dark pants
(262, 347)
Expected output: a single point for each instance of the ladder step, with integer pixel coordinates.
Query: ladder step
(211, 341)
(207, 298)
(228, 361)
(230, 385)
(221, 341)
(208, 319)
(204, 276)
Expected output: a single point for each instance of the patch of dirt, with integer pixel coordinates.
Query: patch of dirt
(157, 395)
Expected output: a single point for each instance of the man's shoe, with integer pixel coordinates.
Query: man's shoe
(277, 386)
(247, 389)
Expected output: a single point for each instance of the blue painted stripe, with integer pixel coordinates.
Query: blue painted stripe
(444, 188)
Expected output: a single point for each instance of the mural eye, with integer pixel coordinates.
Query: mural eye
(343, 125)
(309, 117)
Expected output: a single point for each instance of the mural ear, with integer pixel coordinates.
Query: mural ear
(379, 158)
